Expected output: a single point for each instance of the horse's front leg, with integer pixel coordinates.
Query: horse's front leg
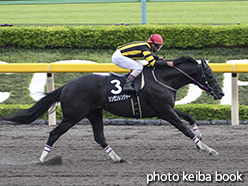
(174, 119)
(192, 122)
(203, 147)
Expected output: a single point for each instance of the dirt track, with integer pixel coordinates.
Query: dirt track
(77, 160)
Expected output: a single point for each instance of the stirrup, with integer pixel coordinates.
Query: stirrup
(128, 88)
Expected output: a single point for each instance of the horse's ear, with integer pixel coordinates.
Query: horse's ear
(204, 63)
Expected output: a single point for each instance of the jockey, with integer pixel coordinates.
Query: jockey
(126, 57)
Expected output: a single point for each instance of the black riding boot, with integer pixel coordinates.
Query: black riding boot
(128, 87)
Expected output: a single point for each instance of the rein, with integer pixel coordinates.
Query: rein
(178, 69)
(153, 74)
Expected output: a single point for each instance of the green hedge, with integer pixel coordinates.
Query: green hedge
(205, 112)
(109, 37)
(211, 112)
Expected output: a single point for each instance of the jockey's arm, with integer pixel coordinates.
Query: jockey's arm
(163, 63)
(156, 61)
(169, 63)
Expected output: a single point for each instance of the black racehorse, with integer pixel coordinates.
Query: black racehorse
(87, 97)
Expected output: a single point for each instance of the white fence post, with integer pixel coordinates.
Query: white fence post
(50, 88)
(235, 100)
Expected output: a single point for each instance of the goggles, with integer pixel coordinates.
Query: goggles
(159, 47)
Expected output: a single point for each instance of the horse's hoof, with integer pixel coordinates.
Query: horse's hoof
(57, 160)
(213, 153)
(124, 161)
(197, 148)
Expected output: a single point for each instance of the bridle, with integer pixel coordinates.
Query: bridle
(198, 83)
(203, 78)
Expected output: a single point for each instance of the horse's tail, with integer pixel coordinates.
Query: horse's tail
(39, 109)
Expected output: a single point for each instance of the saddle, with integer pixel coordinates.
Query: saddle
(115, 86)
(139, 81)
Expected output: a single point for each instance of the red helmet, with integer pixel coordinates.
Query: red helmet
(155, 39)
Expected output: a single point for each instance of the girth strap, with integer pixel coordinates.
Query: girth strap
(136, 108)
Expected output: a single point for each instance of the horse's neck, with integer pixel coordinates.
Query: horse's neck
(174, 78)
(191, 71)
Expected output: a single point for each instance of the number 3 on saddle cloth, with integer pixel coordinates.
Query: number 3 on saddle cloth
(114, 91)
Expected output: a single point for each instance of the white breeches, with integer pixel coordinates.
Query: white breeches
(126, 62)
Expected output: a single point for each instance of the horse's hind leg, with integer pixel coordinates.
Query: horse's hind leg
(54, 135)
(95, 117)
(70, 118)
(192, 122)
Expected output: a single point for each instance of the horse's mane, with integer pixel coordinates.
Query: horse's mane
(184, 59)
(178, 61)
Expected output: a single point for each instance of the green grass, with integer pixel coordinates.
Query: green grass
(22, 55)
(14, 55)
(230, 12)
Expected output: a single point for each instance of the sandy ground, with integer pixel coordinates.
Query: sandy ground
(160, 155)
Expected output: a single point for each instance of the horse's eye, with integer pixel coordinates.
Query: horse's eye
(210, 76)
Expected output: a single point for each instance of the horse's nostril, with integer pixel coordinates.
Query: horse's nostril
(221, 94)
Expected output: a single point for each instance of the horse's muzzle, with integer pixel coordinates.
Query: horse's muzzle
(219, 95)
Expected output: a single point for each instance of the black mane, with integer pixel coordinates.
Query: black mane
(184, 59)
